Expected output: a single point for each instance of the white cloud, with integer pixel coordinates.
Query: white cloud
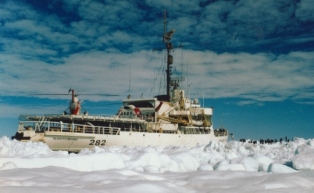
(102, 49)
(230, 75)
(255, 76)
(304, 10)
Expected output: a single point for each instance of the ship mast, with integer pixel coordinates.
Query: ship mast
(166, 39)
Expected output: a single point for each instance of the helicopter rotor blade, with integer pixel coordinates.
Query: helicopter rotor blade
(100, 94)
(47, 94)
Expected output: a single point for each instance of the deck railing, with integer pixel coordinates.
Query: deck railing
(42, 126)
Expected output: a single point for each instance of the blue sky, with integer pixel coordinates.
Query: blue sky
(253, 61)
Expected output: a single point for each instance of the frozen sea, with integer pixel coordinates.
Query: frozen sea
(215, 167)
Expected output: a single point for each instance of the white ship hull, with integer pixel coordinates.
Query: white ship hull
(74, 142)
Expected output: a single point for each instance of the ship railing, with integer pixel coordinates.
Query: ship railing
(108, 115)
(101, 117)
(27, 117)
(135, 119)
(44, 126)
(195, 130)
(220, 132)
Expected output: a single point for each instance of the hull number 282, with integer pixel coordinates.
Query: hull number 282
(97, 142)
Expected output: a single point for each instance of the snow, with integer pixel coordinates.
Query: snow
(216, 167)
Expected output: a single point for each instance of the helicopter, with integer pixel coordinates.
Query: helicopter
(75, 104)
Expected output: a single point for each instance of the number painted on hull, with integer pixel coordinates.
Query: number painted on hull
(97, 142)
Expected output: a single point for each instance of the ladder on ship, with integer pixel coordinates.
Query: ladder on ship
(40, 123)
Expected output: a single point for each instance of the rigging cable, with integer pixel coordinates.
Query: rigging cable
(129, 81)
(162, 80)
(156, 76)
(149, 72)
